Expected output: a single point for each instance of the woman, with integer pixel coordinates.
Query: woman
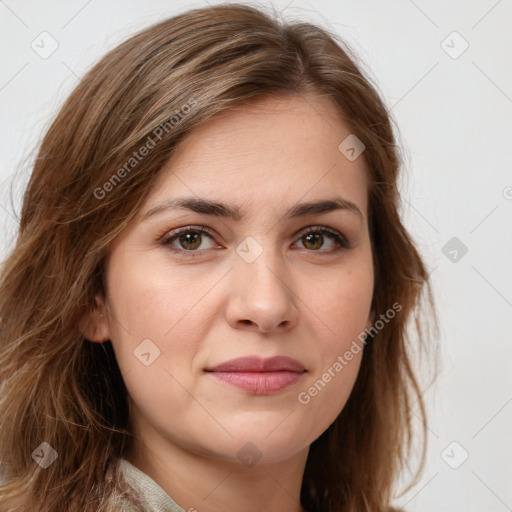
(206, 305)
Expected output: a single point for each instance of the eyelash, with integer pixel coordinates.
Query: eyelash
(169, 237)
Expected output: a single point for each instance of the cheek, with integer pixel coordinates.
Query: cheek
(324, 395)
(148, 299)
(343, 305)
(142, 311)
(151, 311)
(166, 306)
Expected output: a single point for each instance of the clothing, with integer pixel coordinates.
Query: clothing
(157, 499)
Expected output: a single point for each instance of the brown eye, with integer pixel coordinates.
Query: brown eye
(187, 239)
(314, 239)
(190, 241)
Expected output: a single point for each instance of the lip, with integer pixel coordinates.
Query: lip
(257, 375)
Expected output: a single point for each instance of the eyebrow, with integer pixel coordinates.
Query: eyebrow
(207, 207)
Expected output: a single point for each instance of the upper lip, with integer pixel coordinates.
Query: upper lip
(258, 364)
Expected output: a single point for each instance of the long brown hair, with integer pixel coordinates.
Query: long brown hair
(89, 180)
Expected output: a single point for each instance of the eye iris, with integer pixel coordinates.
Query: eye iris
(186, 239)
(319, 240)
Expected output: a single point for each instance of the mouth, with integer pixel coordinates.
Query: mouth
(259, 376)
(259, 383)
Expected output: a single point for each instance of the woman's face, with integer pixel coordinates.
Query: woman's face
(257, 283)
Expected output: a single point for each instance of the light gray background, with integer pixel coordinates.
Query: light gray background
(455, 119)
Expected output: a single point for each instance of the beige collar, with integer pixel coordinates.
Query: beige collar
(157, 499)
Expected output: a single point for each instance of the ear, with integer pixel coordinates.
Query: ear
(94, 323)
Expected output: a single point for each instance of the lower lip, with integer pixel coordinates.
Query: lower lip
(259, 383)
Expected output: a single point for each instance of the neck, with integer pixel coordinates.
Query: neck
(203, 483)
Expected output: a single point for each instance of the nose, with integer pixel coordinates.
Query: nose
(261, 296)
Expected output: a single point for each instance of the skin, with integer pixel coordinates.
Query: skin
(298, 298)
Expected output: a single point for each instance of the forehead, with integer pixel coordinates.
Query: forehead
(270, 152)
